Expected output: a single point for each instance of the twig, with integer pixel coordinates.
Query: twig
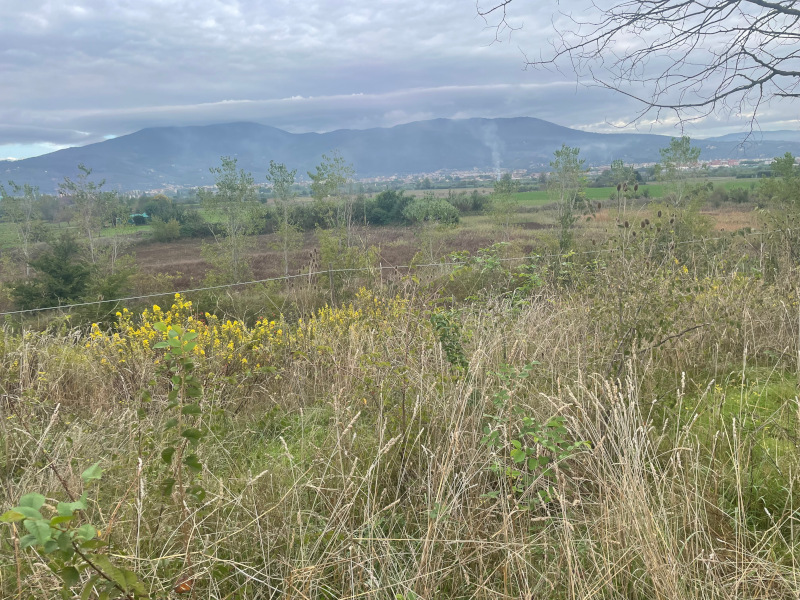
(676, 335)
(100, 572)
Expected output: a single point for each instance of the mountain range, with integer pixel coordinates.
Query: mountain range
(162, 157)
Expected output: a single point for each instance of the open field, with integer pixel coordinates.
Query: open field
(398, 245)
(617, 422)
(524, 200)
(166, 266)
(438, 411)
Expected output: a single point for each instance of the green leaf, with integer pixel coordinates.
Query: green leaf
(190, 335)
(67, 509)
(160, 326)
(197, 492)
(34, 501)
(116, 574)
(89, 587)
(167, 454)
(27, 540)
(92, 473)
(172, 395)
(30, 513)
(70, 576)
(176, 380)
(518, 456)
(60, 519)
(86, 532)
(11, 516)
(171, 423)
(166, 488)
(65, 542)
(192, 410)
(50, 546)
(193, 463)
(133, 584)
(192, 434)
(535, 463)
(39, 528)
(160, 345)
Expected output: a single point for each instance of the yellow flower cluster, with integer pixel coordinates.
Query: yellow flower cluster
(230, 346)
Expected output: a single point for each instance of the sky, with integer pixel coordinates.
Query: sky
(78, 72)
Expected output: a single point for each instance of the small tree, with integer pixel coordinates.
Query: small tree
(679, 160)
(22, 207)
(503, 204)
(235, 204)
(61, 277)
(332, 179)
(91, 205)
(782, 195)
(566, 183)
(282, 180)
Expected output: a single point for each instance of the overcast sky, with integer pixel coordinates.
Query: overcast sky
(82, 71)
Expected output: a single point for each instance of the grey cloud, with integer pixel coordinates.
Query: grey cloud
(24, 134)
(75, 72)
(550, 101)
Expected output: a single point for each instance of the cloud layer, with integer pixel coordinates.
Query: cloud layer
(78, 72)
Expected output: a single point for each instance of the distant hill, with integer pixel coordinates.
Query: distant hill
(181, 156)
(755, 137)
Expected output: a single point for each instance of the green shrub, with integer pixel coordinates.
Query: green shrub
(165, 231)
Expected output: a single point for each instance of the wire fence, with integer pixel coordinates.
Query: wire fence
(371, 269)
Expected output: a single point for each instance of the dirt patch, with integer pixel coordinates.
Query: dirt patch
(533, 226)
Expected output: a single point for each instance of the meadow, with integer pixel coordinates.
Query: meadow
(518, 421)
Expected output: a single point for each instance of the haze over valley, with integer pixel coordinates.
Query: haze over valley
(179, 157)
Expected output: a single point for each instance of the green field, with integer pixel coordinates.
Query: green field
(656, 190)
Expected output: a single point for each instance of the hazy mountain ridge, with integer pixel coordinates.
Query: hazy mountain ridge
(181, 156)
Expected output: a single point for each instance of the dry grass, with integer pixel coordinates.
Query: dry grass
(357, 470)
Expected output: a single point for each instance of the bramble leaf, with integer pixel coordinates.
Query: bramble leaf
(34, 501)
(192, 434)
(39, 528)
(28, 512)
(86, 532)
(92, 473)
(193, 463)
(11, 516)
(70, 576)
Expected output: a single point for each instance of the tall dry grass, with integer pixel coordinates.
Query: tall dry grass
(360, 472)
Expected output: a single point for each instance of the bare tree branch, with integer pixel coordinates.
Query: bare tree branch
(687, 57)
